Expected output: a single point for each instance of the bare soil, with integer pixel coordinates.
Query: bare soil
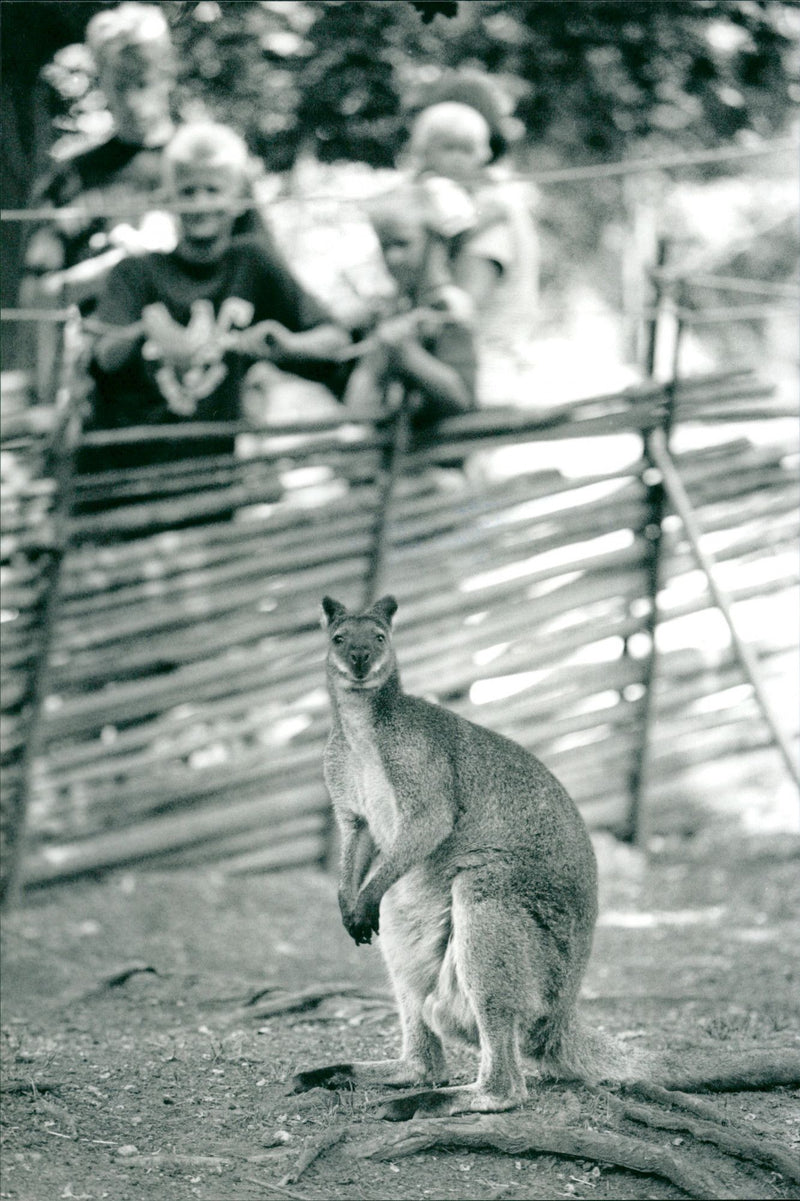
(140, 1058)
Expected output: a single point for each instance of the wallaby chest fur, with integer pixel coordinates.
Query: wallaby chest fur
(355, 770)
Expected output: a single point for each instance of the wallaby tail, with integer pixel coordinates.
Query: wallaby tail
(573, 1050)
(719, 1070)
(570, 1049)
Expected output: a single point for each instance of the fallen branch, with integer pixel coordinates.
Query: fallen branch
(306, 998)
(313, 1149)
(59, 1114)
(516, 1137)
(276, 1188)
(114, 980)
(163, 1159)
(733, 1142)
(124, 974)
(30, 1086)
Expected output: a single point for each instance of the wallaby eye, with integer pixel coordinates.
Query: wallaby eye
(338, 639)
(380, 638)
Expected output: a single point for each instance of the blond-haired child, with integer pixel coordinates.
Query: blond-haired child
(494, 257)
(178, 330)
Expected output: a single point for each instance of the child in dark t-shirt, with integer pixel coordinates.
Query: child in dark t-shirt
(178, 331)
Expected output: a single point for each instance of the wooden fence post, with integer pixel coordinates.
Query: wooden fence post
(63, 443)
(391, 466)
(632, 828)
(675, 491)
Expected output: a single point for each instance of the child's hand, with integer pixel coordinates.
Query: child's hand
(396, 332)
(170, 342)
(452, 210)
(454, 301)
(45, 252)
(266, 340)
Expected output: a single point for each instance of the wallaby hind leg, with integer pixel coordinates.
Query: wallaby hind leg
(500, 965)
(412, 940)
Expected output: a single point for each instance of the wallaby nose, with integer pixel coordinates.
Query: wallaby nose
(359, 661)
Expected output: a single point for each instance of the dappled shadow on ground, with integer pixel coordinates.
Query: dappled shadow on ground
(151, 1023)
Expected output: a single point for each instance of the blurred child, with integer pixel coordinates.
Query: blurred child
(178, 330)
(425, 346)
(493, 254)
(116, 181)
(132, 52)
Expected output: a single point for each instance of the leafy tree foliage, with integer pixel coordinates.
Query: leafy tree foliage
(589, 78)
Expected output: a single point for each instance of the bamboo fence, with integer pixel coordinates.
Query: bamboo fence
(163, 684)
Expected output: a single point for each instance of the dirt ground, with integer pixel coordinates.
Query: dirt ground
(140, 1058)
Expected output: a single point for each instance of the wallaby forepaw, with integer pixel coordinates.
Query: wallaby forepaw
(366, 918)
(360, 932)
(339, 1076)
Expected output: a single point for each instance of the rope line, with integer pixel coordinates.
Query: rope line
(551, 176)
(753, 312)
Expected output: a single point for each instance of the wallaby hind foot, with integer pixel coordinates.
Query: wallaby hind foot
(442, 1102)
(388, 1073)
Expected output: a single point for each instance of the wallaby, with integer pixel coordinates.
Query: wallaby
(473, 863)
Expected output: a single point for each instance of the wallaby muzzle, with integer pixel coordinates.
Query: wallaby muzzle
(360, 662)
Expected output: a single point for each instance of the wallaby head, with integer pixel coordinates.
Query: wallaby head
(360, 652)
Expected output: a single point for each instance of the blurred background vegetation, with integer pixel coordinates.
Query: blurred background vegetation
(331, 81)
(586, 80)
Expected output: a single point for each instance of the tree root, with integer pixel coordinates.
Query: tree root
(312, 1150)
(732, 1141)
(672, 1109)
(674, 1099)
(518, 1134)
(300, 1002)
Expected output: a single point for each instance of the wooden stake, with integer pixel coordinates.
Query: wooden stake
(679, 498)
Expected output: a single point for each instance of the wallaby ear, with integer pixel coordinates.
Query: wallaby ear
(332, 611)
(384, 609)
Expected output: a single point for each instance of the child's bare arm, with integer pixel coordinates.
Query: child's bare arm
(271, 340)
(443, 387)
(478, 277)
(114, 348)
